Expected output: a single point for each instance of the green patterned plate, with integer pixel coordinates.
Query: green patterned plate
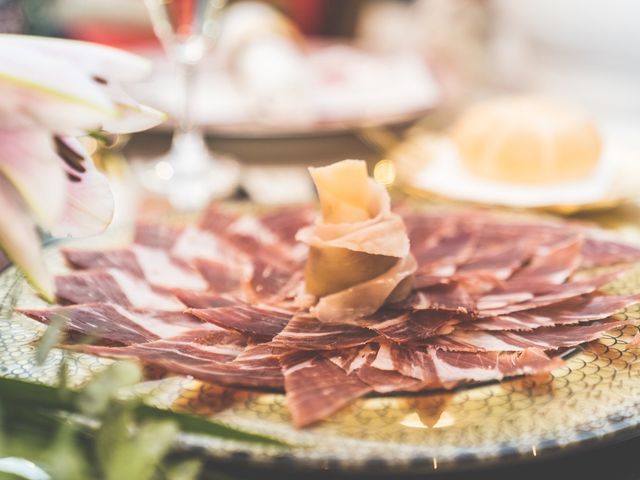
(593, 399)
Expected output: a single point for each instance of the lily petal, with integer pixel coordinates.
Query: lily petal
(89, 205)
(132, 116)
(29, 162)
(50, 92)
(20, 242)
(98, 60)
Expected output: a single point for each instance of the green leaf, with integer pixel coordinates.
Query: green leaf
(52, 336)
(95, 397)
(184, 470)
(64, 458)
(117, 423)
(47, 396)
(197, 424)
(138, 456)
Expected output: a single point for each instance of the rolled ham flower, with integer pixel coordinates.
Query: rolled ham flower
(359, 255)
(53, 91)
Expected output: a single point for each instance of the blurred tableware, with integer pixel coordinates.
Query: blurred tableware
(278, 185)
(428, 165)
(189, 174)
(342, 88)
(520, 151)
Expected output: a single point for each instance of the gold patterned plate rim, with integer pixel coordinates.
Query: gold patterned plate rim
(592, 400)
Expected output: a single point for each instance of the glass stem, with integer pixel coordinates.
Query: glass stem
(187, 80)
(190, 156)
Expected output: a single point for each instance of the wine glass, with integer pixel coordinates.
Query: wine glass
(189, 174)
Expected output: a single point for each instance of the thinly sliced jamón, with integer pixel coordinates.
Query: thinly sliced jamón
(112, 286)
(152, 264)
(443, 258)
(157, 235)
(265, 322)
(496, 304)
(544, 338)
(221, 277)
(193, 347)
(308, 333)
(453, 368)
(598, 252)
(585, 308)
(207, 299)
(453, 297)
(286, 222)
(549, 266)
(316, 388)
(408, 361)
(116, 323)
(411, 326)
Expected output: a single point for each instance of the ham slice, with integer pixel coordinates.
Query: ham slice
(358, 244)
(116, 323)
(497, 260)
(444, 368)
(498, 304)
(453, 368)
(286, 222)
(207, 299)
(581, 309)
(220, 277)
(263, 322)
(549, 266)
(316, 388)
(156, 235)
(384, 381)
(272, 284)
(453, 297)
(410, 362)
(442, 259)
(113, 286)
(191, 348)
(411, 326)
(544, 338)
(304, 332)
(152, 264)
(365, 298)
(597, 252)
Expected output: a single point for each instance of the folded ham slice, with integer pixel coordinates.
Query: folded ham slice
(359, 255)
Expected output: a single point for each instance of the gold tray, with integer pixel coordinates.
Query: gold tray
(591, 400)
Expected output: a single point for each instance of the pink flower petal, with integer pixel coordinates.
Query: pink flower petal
(98, 60)
(132, 116)
(89, 204)
(50, 92)
(20, 242)
(28, 160)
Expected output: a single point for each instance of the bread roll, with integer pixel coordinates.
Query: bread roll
(527, 140)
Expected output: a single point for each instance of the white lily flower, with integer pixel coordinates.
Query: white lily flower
(51, 91)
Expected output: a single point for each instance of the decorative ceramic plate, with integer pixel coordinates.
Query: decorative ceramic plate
(594, 398)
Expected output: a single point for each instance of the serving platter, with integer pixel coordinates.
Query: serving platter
(593, 399)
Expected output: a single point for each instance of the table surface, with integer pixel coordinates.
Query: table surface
(616, 460)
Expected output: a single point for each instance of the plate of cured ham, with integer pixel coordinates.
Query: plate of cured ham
(364, 336)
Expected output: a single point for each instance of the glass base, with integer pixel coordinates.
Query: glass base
(189, 175)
